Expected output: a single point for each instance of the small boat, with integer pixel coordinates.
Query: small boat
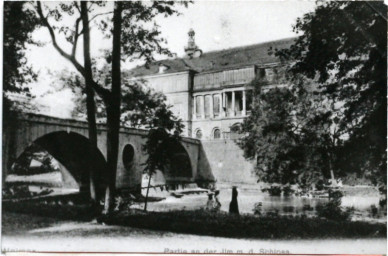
(320, 194)
(177, 195)
(308, 195)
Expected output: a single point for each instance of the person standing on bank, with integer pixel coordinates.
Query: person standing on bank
(233, 207)
(216, 204)
(210, 202)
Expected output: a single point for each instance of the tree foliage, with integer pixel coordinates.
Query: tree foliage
(17, 34)
(342, 49)
(344, 45)
(290, 135)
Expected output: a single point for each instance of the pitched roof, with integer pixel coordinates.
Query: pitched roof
(256, 54)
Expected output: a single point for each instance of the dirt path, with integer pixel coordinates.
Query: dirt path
(46, 234)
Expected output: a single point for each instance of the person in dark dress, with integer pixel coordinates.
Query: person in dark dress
(233, 207)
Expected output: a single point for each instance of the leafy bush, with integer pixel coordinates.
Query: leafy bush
(287, 190)
(273, 214)
(383, 202)
(288, 209)
(273, 190)
(320, 185)
(257, 209)
(307, 207)
(333, 211)
(335, 194)
(122, 203)
(373, 210)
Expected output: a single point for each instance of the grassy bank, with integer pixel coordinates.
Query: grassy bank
(217, 224)
(61, 212)
(247, 226)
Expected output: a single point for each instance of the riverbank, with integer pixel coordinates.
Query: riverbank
(219, 224)
(222, 224)
(44, 234)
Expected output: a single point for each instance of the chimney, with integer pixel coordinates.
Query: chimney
(192, 49)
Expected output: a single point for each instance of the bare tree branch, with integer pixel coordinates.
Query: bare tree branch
(78, 66)
(90, 6)
(103, 92)
(100, 14)
(76, 6)
(76, 35)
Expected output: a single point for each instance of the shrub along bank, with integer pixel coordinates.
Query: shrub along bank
(221, 224)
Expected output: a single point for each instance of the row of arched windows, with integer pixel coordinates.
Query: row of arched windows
(216, 134)
(235, 130)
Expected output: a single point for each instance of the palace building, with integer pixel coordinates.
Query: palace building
(209, 91)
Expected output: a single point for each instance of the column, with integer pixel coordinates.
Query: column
(203, 106)
(221, 109)
(223, 104)
(233, 101)
(244, 110)
(211, 106)
(195, 108)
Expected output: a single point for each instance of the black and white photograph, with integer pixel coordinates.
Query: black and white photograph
(194, 127)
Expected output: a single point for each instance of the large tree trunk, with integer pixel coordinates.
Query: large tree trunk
(113, 110)
(90, 103)
(148, 190)
(91, 113)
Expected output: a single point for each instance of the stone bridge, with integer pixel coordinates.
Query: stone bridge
(67, 141)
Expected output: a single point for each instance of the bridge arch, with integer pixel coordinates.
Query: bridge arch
(32, 127)
(179, 165)
(75, 152)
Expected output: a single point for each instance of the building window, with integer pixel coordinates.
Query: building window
(208, 105)
(198, 134)
(261, 73)
(217, 133)
(198, 106)
(216, 105)
(238, 103)
(228, 104)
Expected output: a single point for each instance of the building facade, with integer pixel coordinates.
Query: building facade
(210, 91)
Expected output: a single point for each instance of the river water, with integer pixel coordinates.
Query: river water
(247, 198)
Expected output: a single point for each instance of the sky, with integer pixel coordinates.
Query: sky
(217, 25)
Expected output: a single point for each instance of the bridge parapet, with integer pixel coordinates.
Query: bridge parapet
(49, 120)
(76, 123)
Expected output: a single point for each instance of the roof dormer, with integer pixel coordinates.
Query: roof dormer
(163, 68)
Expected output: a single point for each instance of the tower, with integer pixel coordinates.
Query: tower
(192, 50)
